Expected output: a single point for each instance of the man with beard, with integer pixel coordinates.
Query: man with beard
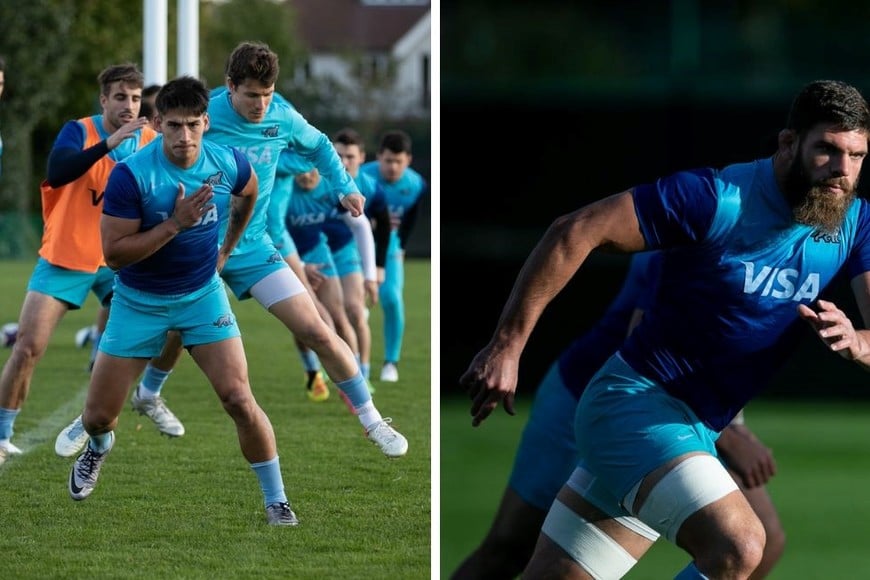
(748, 250)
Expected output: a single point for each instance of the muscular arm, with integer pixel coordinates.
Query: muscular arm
(609, 223)
(241, 208)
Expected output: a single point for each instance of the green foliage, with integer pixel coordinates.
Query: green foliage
(224, 25)
(191, 507)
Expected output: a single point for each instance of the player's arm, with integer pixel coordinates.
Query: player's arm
(745, 455)
(609, 223)
(241, 207)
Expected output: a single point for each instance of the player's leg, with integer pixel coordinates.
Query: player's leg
(315, 385)
(147, 400)
(285, 297)
(51, 291)
(330, 294)
(392, 304)
(545, 458)
(218, 351)
(762, 505)
(353, 289)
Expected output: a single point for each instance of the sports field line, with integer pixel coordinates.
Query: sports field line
(48, 428)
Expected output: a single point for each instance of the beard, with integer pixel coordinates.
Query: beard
(811, 204)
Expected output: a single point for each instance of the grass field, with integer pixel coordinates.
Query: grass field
(191, 507)
(823, 460)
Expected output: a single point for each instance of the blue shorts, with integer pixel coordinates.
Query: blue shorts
(242, 271)
(139, 320)
(626, 426)
(547, 453)
(320, 254)
(71, 286)
(347, 259)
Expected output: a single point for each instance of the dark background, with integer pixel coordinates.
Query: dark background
(548, 109)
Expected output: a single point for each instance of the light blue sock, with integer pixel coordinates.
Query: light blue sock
(269, 474)
(309, 360)
(152, 381)
(356, 390)
(690, 572)
(100, 443)
(365, 369)
(7, 421)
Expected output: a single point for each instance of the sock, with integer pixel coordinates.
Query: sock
(152, 382)
(269, 474)
(356, 390)
(7, 421)
(690, 572)
(309, 360)
(365, 369)
(368, 414)
(100, 443)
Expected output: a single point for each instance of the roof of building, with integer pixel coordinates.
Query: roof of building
(334, 25)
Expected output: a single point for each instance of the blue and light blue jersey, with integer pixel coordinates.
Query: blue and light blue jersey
(584, 355)
(145, 186)
(338, 235)
(307, 211)
(400, 196)
(725, 315)
(263, 142)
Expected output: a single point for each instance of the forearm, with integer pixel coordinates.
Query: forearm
(67, 165)
(365, 241)
(241, 208)
(126, 250)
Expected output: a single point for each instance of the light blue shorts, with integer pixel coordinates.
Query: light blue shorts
(347, 259)
(71, 286)
(626, 426)
(547, 453)
(320, 254)
(139, 320)
(242, 271)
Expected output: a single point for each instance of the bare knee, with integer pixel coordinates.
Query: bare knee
(239, 403)
(733, 555)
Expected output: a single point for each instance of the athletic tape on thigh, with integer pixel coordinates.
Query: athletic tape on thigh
(696, 482)
(596, 552)
(581, 480)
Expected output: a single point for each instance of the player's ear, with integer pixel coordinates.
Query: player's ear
(206, 122)
(788, 142)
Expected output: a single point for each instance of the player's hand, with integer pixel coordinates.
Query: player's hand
(314, 275)
(125, 131)
(491, 379)
(834, 328)
(747, 457)
(190, 209)
(371, 290)
(354, 203)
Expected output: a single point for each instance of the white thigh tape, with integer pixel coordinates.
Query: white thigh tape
(595, 551)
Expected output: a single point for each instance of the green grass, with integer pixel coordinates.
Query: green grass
(191, 507)
(819, 490)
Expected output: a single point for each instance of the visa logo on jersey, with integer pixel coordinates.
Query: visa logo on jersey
(781, 283)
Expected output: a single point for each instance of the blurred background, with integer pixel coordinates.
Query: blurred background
(552, 105)
(360, 63)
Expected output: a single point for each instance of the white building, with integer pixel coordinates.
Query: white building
(375, 55)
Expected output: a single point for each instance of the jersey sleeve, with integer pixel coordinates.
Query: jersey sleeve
(122, 197)
(244, 172)
(678, 209)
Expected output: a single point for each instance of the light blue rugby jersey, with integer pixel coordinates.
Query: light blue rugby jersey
(145, 185)
(725, 316)
(402, 194)
(338, 234)
(263, 143)
(306, 214)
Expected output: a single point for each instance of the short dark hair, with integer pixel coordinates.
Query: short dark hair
(348, 136)
(185, 93)
(151, 90)
(834, 102)
(252, 60)
(127, 73)
(396, 141)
